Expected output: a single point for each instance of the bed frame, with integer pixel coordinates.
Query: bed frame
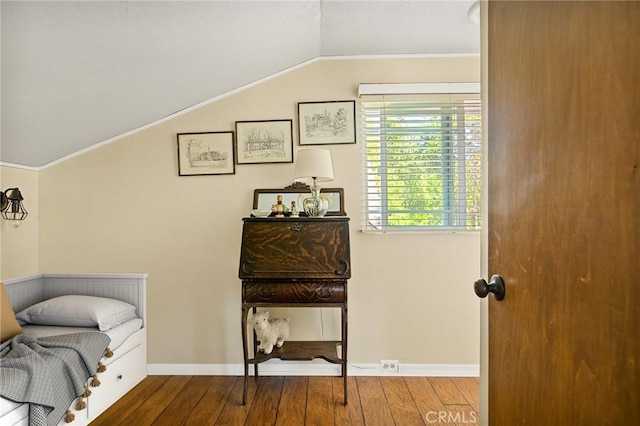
(125, 369)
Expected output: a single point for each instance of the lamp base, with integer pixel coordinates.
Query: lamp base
(315, 206)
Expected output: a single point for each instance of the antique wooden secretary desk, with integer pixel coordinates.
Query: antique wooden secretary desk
(295, 262)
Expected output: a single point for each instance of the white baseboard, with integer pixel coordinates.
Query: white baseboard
(277, 367)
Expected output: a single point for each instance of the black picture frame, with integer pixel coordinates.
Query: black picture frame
(327, 122)
(206, 153)
(264, 141)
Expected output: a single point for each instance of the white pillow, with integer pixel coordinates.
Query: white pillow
(79, 311)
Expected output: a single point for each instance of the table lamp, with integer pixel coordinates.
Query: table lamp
(314, 164)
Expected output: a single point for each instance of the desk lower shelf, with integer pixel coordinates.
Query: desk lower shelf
(302, 351)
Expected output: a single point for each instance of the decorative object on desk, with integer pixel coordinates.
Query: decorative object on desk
(270, 332)
(325, 123)
(294, 209)
(11, 206)
(260, 213)
(297, 185)
(209, 153)
(324, 195)
(314, 164)
(279, 208)
(266, 141)
(263, 198)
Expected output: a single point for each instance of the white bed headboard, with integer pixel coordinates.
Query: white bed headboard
(131, 288)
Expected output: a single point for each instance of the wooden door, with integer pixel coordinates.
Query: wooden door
(564, 212)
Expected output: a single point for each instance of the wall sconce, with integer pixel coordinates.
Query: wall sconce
(11, 206)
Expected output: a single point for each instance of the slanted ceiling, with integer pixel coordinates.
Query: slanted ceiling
(75, 74)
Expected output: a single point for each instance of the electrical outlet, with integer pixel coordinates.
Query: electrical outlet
(389, 366)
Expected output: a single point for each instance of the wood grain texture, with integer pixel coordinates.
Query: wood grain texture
(295, 248)
(234, 412)
(564, 209)
(402, 406)
(320, 401)
(156, 403)
(131, 401)
(375, 408)
(264, 407)
(424, 395)
(310, 292)
(312, 401)
(447, 390)
(182, 405)
(210, 406)
(295, 262)
(293, 403)
(293, 350)
(350, 414)
(468, 387)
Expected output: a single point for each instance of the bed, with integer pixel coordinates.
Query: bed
(125, 361)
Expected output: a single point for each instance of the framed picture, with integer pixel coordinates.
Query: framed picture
(327, 123)
(209, 153)
(263, 199)
(268, 141)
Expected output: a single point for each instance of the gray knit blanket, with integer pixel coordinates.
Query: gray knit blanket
(49, 372)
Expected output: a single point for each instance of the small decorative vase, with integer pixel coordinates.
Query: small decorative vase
(315, 206)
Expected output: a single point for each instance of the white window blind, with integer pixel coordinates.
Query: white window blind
(422, 162)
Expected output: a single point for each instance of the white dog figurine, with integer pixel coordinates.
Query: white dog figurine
(270, 331)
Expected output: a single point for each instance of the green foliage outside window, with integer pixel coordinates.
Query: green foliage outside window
(422, 165)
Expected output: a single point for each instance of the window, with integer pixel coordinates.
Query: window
(422, 161)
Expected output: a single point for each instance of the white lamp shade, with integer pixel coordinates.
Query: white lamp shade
(313, 163)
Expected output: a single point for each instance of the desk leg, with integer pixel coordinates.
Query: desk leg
(255, 346)
(344, 351)
(245, 351)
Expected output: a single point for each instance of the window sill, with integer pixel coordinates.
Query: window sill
(421, 231)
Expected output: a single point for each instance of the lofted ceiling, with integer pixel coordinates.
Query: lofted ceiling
(78, 73)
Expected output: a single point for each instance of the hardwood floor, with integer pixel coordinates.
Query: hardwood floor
(314, 401)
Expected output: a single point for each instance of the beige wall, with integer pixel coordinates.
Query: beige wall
(19, 255)
(123, 208)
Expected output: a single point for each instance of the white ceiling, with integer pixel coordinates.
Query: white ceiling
(75, 74)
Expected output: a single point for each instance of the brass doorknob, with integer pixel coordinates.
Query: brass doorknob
(495, 286)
